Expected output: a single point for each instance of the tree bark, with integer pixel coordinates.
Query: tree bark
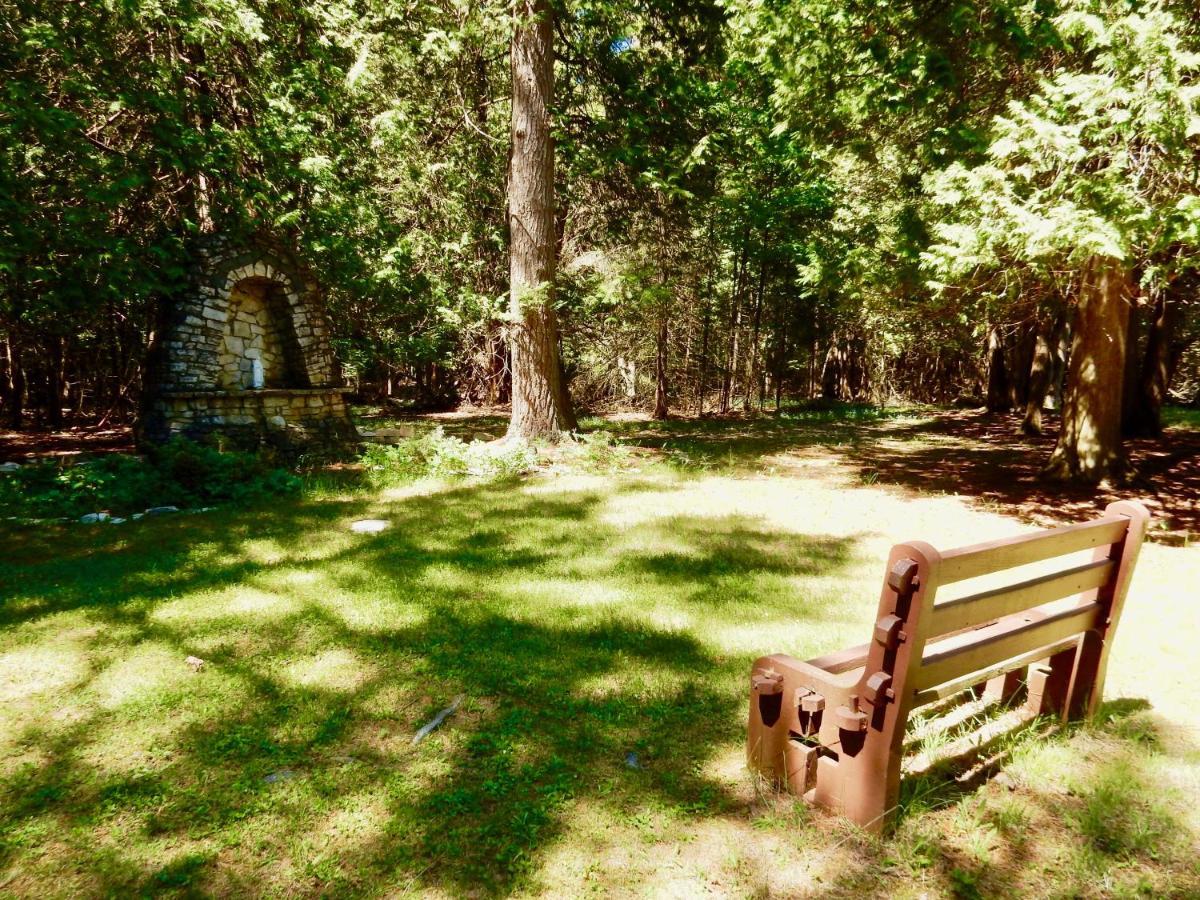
(754, 357)
(1089, 440)
(541, 406)
(1145, 419)
(1021, 367)
(661, 409)
(1041, 372)
(997, 383)
(703, 361)
(835, 379)
(1129, 387)
(14, 385)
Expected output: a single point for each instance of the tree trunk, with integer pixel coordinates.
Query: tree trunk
(1061, 355)
(541, 406)
(1129, 386)
(703, 362)
(660, 373)
(833, 372)
(13, 386)
(1146, 413)
(753, 358)
(1021, 367)
(729, 386)
(997, 383)
(1041, 372)
(1089, 439)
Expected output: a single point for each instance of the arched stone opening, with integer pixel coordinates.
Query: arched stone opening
(259, 347)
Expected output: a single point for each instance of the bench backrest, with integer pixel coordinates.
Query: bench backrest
(960, 642)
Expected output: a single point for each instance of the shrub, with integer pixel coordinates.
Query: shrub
(180, 473)
(602, 453)
(437, 455)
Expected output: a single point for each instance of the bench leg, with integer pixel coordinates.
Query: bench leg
(863, 786)
(767, 739)
(1004, 687)
(1049, 685)
(1087, 677)
(801, 763)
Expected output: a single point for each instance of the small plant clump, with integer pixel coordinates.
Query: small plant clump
(601, 452)
(438, 455)
(180, 473)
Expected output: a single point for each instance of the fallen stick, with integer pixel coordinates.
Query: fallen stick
(426, 729)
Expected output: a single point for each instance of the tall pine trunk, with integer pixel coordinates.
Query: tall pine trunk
(1133, 370)
(997, 375)
(1144, 417)
(661, 408)
(1089, 440)
(1041, 371)
(541, 406)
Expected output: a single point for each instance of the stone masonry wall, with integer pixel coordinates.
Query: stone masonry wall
(246, 307)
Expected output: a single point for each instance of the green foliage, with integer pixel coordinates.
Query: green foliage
(965, 884)
(743, 187)
(180, 473)
(601, 452)
(1098, 161)
(438, 455)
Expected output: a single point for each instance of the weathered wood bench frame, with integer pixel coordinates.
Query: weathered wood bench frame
(831, 730)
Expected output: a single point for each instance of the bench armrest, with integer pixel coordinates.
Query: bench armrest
(834, 685)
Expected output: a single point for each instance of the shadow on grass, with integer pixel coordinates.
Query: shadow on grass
(981, 456)
(986, 458)
(324, 651)
(1079, 808)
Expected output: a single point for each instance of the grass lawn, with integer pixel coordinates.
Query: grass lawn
(598, 620)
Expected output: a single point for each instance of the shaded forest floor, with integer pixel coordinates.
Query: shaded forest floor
(598, 618)
(20, 446)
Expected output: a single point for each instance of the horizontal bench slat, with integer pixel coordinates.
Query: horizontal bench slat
(949, 688)
(975, 650)
(988, 605)
(983, 559)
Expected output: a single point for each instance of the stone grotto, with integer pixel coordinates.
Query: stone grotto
(244, 354)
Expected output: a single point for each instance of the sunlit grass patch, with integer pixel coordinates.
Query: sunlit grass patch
(334, 669)
(28, 671)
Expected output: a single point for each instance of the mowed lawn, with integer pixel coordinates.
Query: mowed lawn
(598, 620)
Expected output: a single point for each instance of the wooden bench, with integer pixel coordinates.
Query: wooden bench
(831, 730)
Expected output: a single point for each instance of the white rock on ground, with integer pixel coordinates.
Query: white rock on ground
(368, 526)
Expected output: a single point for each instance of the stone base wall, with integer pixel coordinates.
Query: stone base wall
(288, 420)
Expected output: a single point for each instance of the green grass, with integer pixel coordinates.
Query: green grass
(1181, 417)
(608, 607)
